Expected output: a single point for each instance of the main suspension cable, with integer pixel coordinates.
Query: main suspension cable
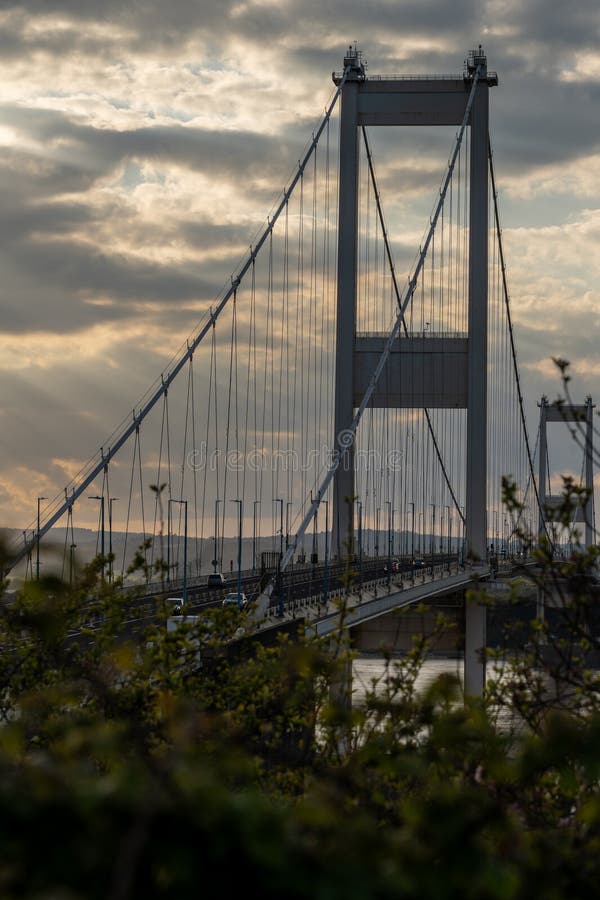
(512, 340)
(59, 505)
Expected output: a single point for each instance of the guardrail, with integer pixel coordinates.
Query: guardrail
(400, 580)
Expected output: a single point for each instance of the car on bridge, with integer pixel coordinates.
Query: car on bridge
(216, 580)
(235, 599)
(177, 607)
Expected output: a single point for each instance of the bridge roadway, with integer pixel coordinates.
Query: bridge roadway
(377, 597)
(379, 593)
(304, 586)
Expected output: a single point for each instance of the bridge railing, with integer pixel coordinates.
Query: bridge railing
(382, 583)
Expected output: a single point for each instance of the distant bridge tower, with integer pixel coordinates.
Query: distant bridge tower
(418, 101)
(582, 416)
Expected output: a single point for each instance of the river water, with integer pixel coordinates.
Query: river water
(366, 669)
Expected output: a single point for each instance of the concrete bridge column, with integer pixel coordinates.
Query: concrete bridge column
(341, 687)
(476, 499)
(343, 483)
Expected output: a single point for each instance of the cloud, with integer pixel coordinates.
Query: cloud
(144, 142)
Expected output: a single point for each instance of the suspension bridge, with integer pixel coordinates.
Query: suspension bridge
(343, 400)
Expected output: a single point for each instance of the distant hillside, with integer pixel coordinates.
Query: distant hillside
(56, 551)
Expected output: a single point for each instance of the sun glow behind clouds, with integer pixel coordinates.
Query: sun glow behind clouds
(100, 344)
(586, 67)
(106, 124)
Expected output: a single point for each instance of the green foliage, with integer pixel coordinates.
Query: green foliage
(192, 762)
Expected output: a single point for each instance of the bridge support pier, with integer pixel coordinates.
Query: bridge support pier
(475, 652)
(340, 687)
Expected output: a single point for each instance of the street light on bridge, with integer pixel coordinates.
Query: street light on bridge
(412, 542)
(215, 561)
(28, 563)
(111, 500)
(280, 500)
(37, 552)
(183, 503)
(256, 503)
(448, 536)
(169, 529)
(287, 524)
(389, 542)
(239, 557)
(360, 544)
(100, 497)
(326, 573)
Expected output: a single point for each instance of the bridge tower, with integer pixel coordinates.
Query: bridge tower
(457, 374)
(582, 416)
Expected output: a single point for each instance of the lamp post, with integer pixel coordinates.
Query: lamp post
(170, 562)
(326, 578)
(28, 563)
(448, 544)
(497, 538)
(185, 543)
(239, 558)
(360, 544)
(280, 500)
(314, 554)
(72, 548)
(100, 497)
(389, 544)
(215, 561)
(287, 524)
(111, 500)
(37, 549)
(255, 504)
(432, 542)
(377, 512)
(184, 503)
(412, 542)
(168, 540)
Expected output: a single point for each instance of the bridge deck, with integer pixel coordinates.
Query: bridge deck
(373, 601)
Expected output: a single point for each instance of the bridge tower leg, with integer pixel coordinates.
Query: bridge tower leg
(343, 485)
(476, 499)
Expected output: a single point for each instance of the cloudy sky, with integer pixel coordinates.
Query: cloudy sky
(143, 146)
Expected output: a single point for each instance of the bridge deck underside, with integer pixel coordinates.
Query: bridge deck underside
(368, 608)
